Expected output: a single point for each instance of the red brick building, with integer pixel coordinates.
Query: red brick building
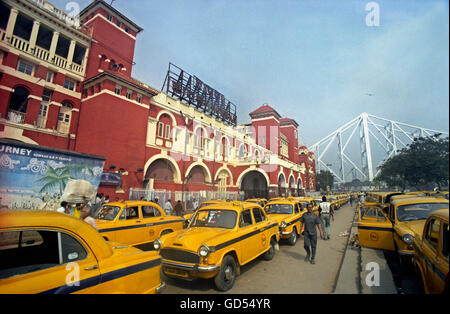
(70, 86)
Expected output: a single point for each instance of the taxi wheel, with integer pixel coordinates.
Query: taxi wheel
(271, 252)
(293, 238)
(224, 280)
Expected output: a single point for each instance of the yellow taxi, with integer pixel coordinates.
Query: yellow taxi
(52, 253)
(220, 239)
(312, 201)
(136, 223)
(396, 230)
(431, 253)
(287, 214)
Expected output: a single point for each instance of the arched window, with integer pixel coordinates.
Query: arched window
(199, 140)
(64, 117)
(164, 127)
(18, 105)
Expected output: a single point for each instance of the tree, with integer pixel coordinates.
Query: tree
(324, 178)
(423, 162)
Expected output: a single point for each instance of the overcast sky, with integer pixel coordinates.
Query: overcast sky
(315, 61)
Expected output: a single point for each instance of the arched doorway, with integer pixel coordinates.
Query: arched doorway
(281, 185)
(18, 105)
(159, 171)
(197, 175)
(292, 186)
(300, 187)
(254, 185)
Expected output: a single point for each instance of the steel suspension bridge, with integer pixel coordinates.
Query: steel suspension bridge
(390, 136)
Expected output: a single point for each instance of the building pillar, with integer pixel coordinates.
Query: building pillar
(53, 46)
(34, 34)
(33, 106)
(11, 23)
(52, 116)
(71, 52)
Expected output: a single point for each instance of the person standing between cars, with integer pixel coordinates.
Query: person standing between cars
(179, 208)
(85, 216)
(168, 207)
(310, 221)
(325, 211)
(195, 204)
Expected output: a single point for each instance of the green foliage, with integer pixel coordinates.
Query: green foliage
(423, 162)
(324, 178)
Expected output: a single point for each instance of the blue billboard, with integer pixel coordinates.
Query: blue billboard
(34, 177)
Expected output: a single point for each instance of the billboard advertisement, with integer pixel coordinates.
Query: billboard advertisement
(34, 177)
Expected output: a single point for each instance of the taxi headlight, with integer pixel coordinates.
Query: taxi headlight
(283, 224)
(157, 244)
(408, 238)
(204, 251)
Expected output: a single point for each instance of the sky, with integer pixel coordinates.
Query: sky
(317, 62)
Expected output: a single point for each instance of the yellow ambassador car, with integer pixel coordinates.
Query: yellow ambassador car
(220, 239)
(396, 230)
(287, 214)
(52, 253)
(136, 223)
(431, 253)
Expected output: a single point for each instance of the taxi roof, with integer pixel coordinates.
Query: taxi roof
(132, 203)
(234, 205)
(420, 199)
(283, 201)
(13, 219)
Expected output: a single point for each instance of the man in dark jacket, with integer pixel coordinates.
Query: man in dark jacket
(311, 221)
(179, 208)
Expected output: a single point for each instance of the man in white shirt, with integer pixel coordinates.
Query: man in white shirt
(325, 211)
(168, 207)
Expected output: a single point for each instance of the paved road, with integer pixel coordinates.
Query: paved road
(287, 272)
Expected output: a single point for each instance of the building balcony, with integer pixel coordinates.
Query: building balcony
(40, 53)
(16, 116)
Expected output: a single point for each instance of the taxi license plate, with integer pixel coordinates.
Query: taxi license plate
(177, 272)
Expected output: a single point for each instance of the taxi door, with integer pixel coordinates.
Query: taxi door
(436, 265)
(247, 231)
(261, 240)
(131, 228)
(47, 261)
(374, 228)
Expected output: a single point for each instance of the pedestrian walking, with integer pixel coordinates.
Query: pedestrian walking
(310, 221)
(325, 213)
(179, 208)
(351, 200)
(168, 207)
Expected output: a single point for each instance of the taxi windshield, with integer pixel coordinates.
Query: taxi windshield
(418, 211)
(214, 218)
(279, 209)
(107, 212)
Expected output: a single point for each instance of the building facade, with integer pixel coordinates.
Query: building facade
(67, 84)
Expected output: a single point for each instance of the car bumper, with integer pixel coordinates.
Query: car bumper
(161, 287)
(192, 268)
